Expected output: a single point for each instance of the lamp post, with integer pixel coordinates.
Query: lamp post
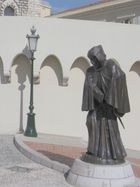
(32, 43)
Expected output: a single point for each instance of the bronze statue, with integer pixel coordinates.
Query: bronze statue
(105, 98)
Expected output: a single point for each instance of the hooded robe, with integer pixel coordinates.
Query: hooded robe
(105, 97)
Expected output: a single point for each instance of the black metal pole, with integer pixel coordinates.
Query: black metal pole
(30, 129)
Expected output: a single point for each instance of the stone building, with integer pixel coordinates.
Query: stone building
(24, 8)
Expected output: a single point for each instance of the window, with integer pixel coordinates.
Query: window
(128, 21)
(9, 11)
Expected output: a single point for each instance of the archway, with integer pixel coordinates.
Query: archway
(2, 78)
(74, 95)
(20, 79)
(81, 63)
(53, 65)
(136, 68)
(9, 6)
(9, 11)
(132, 119)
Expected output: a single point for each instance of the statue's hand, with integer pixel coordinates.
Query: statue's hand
(118, 113)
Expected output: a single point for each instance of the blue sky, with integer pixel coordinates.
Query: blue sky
(60, 5)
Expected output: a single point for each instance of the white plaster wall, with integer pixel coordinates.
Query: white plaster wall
(60, 67)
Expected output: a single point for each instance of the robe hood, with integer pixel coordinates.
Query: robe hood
(97, 52)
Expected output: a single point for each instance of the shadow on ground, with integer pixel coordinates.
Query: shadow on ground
(57, 157)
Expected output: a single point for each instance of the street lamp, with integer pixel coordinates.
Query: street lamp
(32, 44)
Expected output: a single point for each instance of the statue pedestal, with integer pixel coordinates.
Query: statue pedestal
(83, 174)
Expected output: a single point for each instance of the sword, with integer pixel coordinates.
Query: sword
(119, 119)
(121, 122)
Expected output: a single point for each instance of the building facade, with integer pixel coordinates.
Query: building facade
(59, 73)
(122, 11)
(24, 8)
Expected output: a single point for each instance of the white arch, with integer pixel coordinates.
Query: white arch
(23, 67)
(10, 3)
(136, 67)
(54, 62)
(2, 77)
(17, 56)
(81, 63)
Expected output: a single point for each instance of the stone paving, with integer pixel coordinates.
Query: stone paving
(67, 155)
(9, 155)
(18, 171)
(63, 150)
(53, 151)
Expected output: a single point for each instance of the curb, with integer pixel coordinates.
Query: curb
(38, 157)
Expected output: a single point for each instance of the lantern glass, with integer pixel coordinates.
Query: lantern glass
(32, 40)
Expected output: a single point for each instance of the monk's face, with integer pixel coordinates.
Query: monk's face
(95, 62)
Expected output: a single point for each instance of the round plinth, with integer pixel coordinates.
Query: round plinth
(84, 174)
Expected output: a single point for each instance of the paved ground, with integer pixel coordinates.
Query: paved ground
(18, 171)
(66, 149)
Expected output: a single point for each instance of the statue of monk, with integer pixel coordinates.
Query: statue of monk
(105, 97)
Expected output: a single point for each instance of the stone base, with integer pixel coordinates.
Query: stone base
(96, 160)
(84, 174)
